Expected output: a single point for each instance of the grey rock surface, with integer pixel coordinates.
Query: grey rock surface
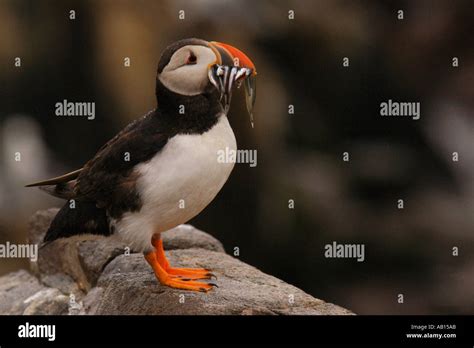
(129, 287)
(89, 274)
(22, 293)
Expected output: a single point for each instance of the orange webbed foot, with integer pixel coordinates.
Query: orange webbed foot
(190, 273)
(184, 284)
(178, 278)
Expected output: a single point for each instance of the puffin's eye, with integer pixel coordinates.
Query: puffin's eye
(192, 59)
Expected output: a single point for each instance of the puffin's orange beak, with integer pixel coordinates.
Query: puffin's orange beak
(233, 67)
(238, 57)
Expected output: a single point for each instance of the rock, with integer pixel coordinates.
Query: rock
(130, 287)
(61, 281)
(74, 264)
(88, 274)
(39, 224)
(22, 293)
(47, 301)
(96, 253)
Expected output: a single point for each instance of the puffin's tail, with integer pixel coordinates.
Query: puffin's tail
(61, 186)
(76, 216)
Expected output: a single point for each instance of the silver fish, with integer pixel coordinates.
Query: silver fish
(224, 78)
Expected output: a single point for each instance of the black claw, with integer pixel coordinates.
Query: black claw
(211, 275)
(212, 284)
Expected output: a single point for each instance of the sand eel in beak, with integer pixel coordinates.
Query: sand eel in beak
(223, 77)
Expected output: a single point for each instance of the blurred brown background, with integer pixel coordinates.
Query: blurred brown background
(299, 62)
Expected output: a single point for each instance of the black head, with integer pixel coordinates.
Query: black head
(186, 75)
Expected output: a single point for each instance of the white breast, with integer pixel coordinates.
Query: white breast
(177, 184)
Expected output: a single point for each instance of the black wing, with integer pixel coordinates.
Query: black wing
(105, 186)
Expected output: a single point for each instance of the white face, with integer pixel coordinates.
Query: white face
(187, 70)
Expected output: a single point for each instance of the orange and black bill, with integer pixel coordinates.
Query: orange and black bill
(233, 67)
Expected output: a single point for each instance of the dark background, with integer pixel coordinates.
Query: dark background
(299, 62)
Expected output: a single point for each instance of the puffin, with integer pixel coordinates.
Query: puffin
(162, 169)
